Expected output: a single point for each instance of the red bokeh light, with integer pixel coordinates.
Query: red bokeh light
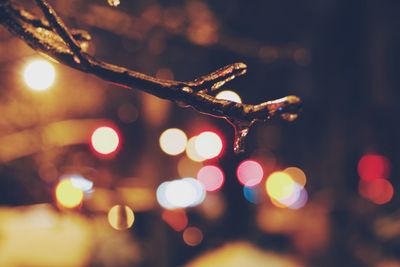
(176, 218)
(379, 191)
(211, 177)
(373, 166)
(250, 173)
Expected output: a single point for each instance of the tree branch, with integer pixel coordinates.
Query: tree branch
(52, 37)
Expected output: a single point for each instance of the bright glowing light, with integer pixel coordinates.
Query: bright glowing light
(229, 95)
(176, 218)
(68, 195)
(81, 182)
(249, 173)
(211, 177)
(121, 217)
(373, 166)
(192, 236)
(105, 141)
(39, 75)
(161, 196)
(191, 151)
(173, 141)
(180, 193)
(200, 191)
(293, 197)
(208, 145)
(379, 191)
(301, 200)
(280, 185)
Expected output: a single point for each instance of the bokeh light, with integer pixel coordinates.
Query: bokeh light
(200, 191)
(162, 197)
(286, 188)
(253, 194)
(81, 182)
(176, 218)
(173, 141)
(39, 75)
(191, 151)
(192, 236)
(229, 95)
(208, 145)
(250, 173)
(68, 196)
(211, 177)
(373, 166)
(378, 191)
(280, 185)
(297, 175)
(301, 201)
(121, 217)
(180, 193)
(105, 141)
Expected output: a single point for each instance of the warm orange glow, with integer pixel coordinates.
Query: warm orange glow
(105, 141)
(229, 95)
(173, 141)
(68, 195)
(188, 168)
(121, 217)
(191, 151)
(176, 218)
(297, 175)
(379, 191)
(39, 75)
(192, 236)
(208, 145)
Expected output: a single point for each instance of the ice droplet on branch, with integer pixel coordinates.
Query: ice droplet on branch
(114, 2)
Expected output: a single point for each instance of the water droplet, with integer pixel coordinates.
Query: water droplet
(289, 116)
(241, 130)
(113, 2)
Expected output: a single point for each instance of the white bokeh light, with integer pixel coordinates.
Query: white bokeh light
(173, 141)
(39, 75)
(105, 140)
(208, 145)
(229, 95)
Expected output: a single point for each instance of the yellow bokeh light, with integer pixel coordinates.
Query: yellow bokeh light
(39, 75)
(68, 196)
(105, 140)
(229, 95)
(208, 145)
(121, 217)
(191, 151)
(173, 141)
(280, 185)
